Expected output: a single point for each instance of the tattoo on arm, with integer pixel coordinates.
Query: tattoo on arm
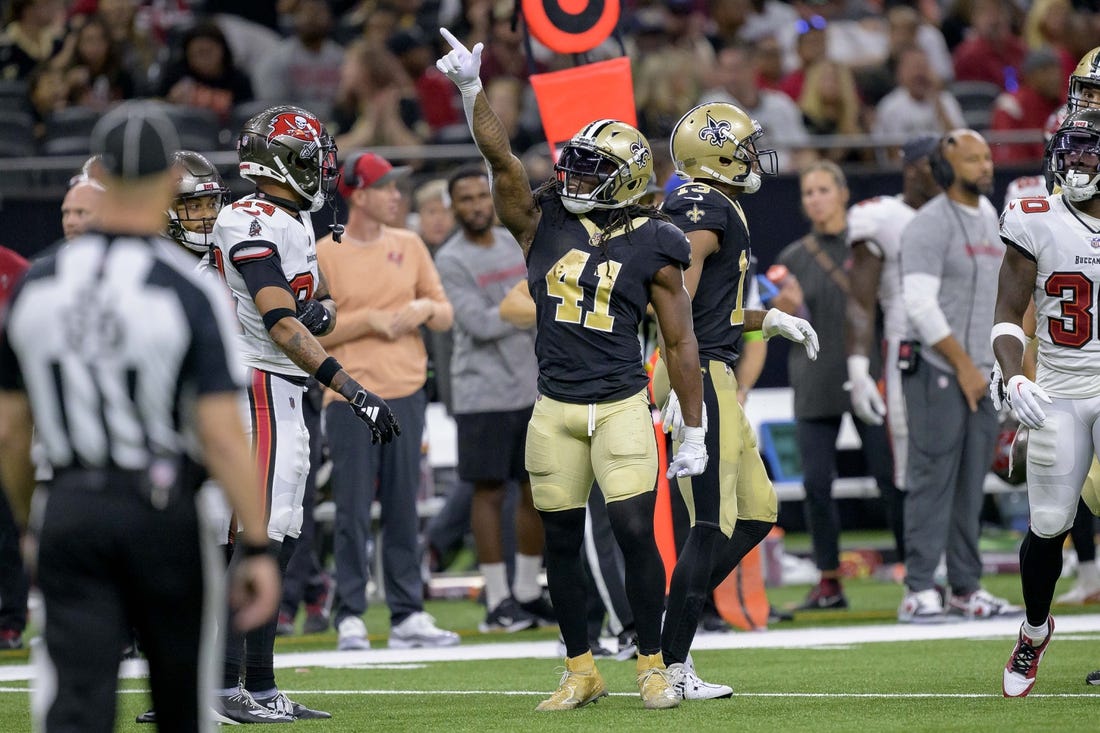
(511, 189)
(300, 346)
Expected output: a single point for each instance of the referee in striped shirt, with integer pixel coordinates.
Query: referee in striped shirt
(125, 363)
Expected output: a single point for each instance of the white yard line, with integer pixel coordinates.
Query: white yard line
(515, 648)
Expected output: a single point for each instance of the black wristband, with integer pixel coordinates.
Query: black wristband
(271, 548)
(275, 315)
(328, 369)
(349, 389)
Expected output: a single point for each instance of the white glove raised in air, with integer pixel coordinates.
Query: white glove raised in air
(799, 330)
(461, 65)
(672, 419)
(997, 386)
(867, 403)
(691, 458)
(1023, 397)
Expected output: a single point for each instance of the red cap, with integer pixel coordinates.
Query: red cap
(369, 170)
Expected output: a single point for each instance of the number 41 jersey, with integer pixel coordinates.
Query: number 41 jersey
(590, 297)
(251, 230)
(1065, 246)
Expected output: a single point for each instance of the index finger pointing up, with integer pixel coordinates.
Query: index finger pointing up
(455, 43)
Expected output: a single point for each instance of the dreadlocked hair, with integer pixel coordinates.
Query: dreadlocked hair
(620, 218)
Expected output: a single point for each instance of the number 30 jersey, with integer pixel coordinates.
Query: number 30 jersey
(590, 297)
(1065, 246)
(251, 230)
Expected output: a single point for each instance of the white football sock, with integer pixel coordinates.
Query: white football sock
(496, 583)
(526, 586)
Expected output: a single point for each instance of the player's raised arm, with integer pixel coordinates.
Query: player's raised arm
(511, 188)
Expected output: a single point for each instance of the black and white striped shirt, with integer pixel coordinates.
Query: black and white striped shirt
(113, 338)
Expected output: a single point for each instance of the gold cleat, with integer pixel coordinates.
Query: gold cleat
(655, 683)
(580, 685)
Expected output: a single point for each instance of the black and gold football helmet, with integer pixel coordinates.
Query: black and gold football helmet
(1084, 82)
(717, 141)
(607, 165)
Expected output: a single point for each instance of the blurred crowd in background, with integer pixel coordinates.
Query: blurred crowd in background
(819, 75)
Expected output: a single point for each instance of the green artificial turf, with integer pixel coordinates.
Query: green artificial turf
(884, 686)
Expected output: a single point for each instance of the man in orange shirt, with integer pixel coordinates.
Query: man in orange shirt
(385, 287)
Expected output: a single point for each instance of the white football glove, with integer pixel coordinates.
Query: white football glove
(462, 65)
(1023, 397)
(799, 330)
(867, 403)
(997, 386)
(672, 419)
(691, 458)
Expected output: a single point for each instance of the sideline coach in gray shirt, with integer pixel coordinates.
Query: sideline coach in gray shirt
(950, 257)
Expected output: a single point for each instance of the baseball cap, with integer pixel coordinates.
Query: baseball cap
(370, 170)
(406, 40)
(917, 148)
(135, 139)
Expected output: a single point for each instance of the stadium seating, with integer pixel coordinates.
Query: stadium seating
(68, 131)
(18, 138)
(976, 99)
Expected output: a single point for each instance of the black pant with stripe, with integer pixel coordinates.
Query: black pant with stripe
(108, 561)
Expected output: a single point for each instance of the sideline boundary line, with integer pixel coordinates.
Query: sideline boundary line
(819, 637)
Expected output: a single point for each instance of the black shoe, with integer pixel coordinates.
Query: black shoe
(283, 705)
(507, 616)
(775, 615)
(541, 609)
(599, 650)
(628, 645)
(149, 716)
(712, 623)
(241, 707)
(827, 594)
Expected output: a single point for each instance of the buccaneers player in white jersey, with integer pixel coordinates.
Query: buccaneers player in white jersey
(1054, 256)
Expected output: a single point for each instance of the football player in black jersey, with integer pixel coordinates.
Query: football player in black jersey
(732, 504)
(595, 260)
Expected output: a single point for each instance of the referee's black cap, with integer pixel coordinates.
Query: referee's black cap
(135, 139)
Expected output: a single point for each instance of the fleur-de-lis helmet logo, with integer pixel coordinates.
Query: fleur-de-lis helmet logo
(640, 153)
(716, 132)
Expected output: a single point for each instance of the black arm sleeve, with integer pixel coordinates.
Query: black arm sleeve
(263, 272)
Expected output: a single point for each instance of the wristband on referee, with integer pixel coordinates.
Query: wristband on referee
(271, 549)
(329, 368)
(275, 315)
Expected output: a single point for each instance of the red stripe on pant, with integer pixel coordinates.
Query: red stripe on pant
(262, 410)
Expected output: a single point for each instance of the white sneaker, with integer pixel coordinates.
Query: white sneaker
(1023, 664)
(687, 683)
(352, 635)
(921, 607)
(981, 604)
(1086, 589)
(419, 630)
